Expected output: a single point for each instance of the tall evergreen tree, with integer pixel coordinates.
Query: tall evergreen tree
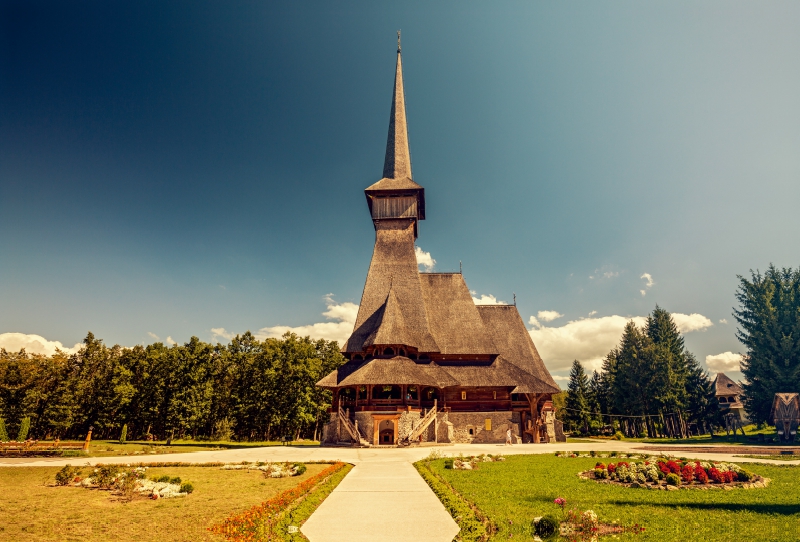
(769, 320)
(576, 405)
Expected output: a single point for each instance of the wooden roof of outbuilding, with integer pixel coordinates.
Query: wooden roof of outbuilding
(723, 385)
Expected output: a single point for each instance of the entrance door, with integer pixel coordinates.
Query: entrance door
(386, 432)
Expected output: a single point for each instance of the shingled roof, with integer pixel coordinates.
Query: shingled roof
(391, 328)
(723, 385)
(453, 317)
(513, 342)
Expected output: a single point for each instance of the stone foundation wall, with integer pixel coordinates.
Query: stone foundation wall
(366, 426)
(463, 422)
(329, 430)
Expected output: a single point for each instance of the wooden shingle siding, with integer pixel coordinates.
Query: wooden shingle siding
(394, 207)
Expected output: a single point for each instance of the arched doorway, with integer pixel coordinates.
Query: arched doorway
(387, 432)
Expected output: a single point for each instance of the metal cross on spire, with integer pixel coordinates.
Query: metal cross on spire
(398, 41)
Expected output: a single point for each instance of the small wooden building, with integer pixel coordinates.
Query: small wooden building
(785, 415)
(729, 394)
(424, 362)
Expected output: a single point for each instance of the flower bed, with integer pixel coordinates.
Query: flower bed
(670, 474)
(260, 521)
(128, 481)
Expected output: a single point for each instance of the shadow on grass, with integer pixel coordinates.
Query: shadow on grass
(782, 509)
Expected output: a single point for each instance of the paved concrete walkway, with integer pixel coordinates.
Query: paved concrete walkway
(383, 484)
(381, 500)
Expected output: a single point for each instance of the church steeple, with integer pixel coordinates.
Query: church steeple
(396, 195)
(397, 164)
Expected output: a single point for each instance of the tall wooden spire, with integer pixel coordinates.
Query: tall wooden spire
(397, 164)
(396, 196)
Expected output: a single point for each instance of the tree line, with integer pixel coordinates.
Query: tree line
(650, 384)
(247, 389)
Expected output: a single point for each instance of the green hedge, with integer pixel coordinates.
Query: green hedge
(475, 527)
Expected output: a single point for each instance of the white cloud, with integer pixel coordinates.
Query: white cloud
(590, 339)
(486, 300)
(723, 321)
(153, 336)
(424, 259)
(343, 316)
(170, 340)
(592, 313)
(727, 361)
(217, 332)
(648, 283)
(549, 316)
(691, 322)
(33, 344)
(561, 378)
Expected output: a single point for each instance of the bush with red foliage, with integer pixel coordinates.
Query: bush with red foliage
(716, 476)
(700, 474)
(611, 468)
(599, 465)
(687, 474)
(730, 476)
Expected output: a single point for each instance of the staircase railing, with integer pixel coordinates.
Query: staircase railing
(352, 430)
(423, 424)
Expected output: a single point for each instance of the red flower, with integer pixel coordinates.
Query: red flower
(611, 468)
(687, 474)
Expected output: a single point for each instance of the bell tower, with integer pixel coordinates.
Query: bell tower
(396, 195)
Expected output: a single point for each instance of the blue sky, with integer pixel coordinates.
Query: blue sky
(175, 169)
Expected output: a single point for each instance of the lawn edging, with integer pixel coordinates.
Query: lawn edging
(273, 517)
(475, 525)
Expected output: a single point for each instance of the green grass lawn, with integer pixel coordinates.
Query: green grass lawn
(32, 508)
(515, 491)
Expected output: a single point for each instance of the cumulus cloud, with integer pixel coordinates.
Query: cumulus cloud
(723, 321)
(424, 259)
(691, 322)
(549, 316)
(342, 318)
(170, 340)
(485, 299)
(153, 336)
(590, 339)
(33, 344)
(727, 361)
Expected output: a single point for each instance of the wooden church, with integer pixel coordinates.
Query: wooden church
(424, 363)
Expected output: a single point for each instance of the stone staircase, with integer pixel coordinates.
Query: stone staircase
(422, 426)
(351, 429)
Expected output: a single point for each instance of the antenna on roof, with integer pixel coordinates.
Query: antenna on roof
(398, 41)
(515, 299)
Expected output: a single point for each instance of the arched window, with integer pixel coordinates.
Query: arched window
(412, 357)
(388, 352)
(412, 393)
(402, 352)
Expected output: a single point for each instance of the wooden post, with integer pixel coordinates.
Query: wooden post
(435, 423)
(88, 439)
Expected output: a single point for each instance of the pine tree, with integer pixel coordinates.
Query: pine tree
(123, 436)
(24, 428)
(576, 405)
(769, 320)
(3, 431)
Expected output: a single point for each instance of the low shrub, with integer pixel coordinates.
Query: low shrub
(745, 476)
(164, 478)
(175, 480)
(619, 436)
(673, 479)
(448, 463)
(105, 475)
(187, 487)
(687, 474)
(546, 527)
(66, 475)
(299, 469)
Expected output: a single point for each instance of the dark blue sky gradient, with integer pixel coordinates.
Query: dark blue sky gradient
(173, 167)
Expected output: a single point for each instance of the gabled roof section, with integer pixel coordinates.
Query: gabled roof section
(513, 341)
(393, 265)
(723, 385)
(392, 327)
(453, 317)
(396, 370)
